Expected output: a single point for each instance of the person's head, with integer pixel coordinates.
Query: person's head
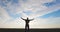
(27, 17)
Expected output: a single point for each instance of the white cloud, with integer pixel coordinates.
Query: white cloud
(36, 23)
(3, 14)
(31, 5)
(46, 23)
(15, 23)
(37, 8)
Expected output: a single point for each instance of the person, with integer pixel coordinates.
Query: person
(27, 23)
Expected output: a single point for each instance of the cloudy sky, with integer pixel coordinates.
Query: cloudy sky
(46, 13)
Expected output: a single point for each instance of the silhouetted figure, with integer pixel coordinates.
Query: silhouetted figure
(27, 24)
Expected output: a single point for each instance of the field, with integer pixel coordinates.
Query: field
(31, 30)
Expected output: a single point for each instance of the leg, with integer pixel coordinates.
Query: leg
(28, 27)
(25, 28)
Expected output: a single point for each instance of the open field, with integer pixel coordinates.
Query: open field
(31, 30)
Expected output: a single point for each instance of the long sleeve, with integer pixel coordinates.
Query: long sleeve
(31, 19)
(22, 18)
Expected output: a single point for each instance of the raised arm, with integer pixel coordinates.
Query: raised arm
(31, 19)
(22, 18)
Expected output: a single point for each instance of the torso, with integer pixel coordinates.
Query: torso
(27, 21)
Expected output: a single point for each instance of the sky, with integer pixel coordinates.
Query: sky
(46, 13)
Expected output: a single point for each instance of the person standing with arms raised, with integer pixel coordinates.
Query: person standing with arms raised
(27, 23)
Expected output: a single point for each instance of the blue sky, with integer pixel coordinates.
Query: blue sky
(53, 14)
(54, 2)
(49, 10)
